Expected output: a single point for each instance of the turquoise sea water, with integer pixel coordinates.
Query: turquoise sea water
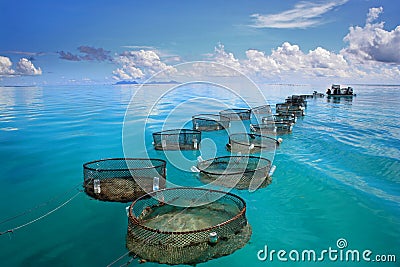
(338, 173)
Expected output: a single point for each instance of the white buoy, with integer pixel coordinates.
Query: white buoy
(194, 169)
(213, 238)
(195, 143)
(272, 170)
(251, 147)
(127, 211)
(156, 183)
(280, 140)
(96, 186)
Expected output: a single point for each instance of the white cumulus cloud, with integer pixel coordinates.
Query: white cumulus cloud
(23, 67)
(304, 15)
(225, 58)
(5, 66)
(286, 60)
(26, 67)
(140, 64)
(373, 42)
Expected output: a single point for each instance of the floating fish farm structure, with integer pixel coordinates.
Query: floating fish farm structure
(235, 171)
(123, 179)
(236, 114)
(186, 225)
(210, 122)
(177, 139)
(248, 143)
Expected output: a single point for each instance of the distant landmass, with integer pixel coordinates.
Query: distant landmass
(154, 82)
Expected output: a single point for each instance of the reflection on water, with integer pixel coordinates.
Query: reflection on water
(337, 173)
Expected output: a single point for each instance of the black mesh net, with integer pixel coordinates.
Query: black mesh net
(236, 171)
(235, 114)
(261, 112)
(123, 179)
(210, 122)
(251, 143)
(186, 225)
(177, 139)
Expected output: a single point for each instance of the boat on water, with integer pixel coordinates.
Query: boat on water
(336, 91)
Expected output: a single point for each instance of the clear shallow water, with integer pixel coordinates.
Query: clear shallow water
(337, 174)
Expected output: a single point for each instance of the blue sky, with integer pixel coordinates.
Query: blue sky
(67, 42)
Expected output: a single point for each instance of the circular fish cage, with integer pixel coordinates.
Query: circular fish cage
(283, 127)
(186, 225)
(210, 122)
(279, 127)
(123, 179)
(291, 118)
(288, 108)
(177, 139)
(235, 114)
(263, 128)
(251, 143)
(261, 112)
(264, 109)
(238, 172)
(296, 100)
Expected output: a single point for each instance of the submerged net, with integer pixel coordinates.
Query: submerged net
(177, 139)
(251, 143)
(210, 122)
(236, 114)
(240, 172)
(186, 225)
(123, 179)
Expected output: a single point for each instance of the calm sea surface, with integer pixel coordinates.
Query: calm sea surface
(337, 176)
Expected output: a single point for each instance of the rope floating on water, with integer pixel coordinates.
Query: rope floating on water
(38, 206)
(40, 217)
